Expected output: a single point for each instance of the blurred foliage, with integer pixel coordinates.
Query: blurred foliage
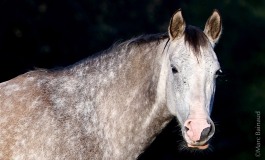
(56, 33)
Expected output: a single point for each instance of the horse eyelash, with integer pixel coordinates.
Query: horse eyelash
(218, 73)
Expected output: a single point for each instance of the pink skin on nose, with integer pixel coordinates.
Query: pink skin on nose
(195, 128)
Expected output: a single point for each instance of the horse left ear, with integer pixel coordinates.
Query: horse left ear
(213, 27)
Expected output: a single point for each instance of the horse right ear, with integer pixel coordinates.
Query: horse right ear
(176, 26)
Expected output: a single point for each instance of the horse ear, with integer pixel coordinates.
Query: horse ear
(213, 27)
(176, 26)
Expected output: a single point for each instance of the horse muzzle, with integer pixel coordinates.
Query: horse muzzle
(197, 132)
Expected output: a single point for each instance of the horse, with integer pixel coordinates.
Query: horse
(113, 104)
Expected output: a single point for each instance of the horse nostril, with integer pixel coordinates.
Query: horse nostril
(187, 125)
(205, 133)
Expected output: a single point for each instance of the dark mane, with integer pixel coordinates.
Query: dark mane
(148, 38)
(195, 38)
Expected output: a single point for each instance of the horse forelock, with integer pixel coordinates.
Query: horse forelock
(195, 38)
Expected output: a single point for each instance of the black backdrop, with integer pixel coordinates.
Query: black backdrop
(57, 33)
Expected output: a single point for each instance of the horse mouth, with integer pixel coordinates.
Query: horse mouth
(201, 147)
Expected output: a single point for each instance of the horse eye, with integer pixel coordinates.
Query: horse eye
(218, 73)
(174, 69)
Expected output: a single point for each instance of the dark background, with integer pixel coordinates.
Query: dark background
(57, 33)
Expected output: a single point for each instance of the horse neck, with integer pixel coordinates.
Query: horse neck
(124, 89)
